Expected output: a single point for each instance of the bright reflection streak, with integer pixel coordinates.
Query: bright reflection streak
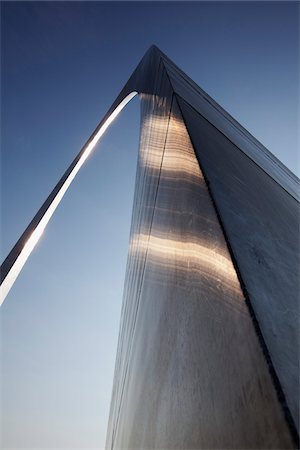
(33, 239)
(179, 160)
(174, 252)
(174, 159)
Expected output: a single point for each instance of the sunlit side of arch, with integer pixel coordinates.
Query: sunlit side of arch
(38, 231)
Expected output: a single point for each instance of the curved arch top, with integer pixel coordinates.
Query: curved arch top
(155, 75)
(141, 81)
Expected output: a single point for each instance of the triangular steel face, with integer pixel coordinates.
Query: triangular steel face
(261, 223)
(190, 370)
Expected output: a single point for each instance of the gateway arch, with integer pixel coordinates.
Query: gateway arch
(208, 351)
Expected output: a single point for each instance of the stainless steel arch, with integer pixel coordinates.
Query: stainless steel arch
(208, 353)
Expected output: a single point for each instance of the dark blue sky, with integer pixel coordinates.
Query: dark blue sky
(63, 63)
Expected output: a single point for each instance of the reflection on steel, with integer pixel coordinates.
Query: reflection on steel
(174, 252)
(208, 351)
(208, 345)
(20, 253)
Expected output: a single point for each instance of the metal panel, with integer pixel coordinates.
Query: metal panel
(261, 221)
(190, 371)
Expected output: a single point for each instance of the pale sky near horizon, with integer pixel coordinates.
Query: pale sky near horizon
(63, 64)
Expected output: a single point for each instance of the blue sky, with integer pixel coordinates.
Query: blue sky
(63, 64)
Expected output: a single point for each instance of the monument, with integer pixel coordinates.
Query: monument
(208, 351)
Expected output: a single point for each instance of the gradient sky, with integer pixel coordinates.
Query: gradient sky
(63, 64)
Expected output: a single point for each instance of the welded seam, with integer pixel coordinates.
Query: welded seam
(135, 216)
(143, 275)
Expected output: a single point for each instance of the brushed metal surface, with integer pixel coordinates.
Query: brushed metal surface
(262, 225)
(190, 371)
